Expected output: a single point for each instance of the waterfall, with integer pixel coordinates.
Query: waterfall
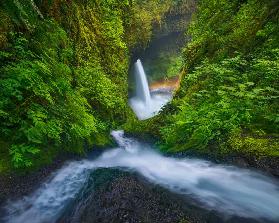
(142, 88)
(145, 103)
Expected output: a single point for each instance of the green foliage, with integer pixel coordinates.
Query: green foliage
(141, 18)
(5, 164)
(163, 58)
(63, 82)
(64, 74)
(177, 18)
(38, 104)
(222, 28)
(164, 66)
(232, 82)
(219, 99)
(23, 13)
(258, 145)
(22, 155)
(101, 56)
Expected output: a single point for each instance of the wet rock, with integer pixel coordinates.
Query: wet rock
(114, 196)
(124, 197)
(15, 185)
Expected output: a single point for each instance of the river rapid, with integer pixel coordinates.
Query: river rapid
(228, 190)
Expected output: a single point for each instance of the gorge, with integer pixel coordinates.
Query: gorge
(139, 111)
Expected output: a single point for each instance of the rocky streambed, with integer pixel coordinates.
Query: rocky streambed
(135, 183)
(114, 195)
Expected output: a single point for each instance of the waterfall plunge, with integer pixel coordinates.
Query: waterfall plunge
(146, 104)
(142, 87)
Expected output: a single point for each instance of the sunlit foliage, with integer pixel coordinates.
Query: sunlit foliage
(63, 77)
(229, 95)
(64, 65)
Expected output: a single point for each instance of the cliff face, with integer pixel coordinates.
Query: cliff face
(227, 102)
(226, 107)
(177, 19)
(63, 77)
(162, 58)
(64, 68)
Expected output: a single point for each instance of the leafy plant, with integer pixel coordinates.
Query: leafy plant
(231, 88)
(22, 155)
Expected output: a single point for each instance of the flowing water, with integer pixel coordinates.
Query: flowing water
(226, 189)
(142, 87)
(146, 104)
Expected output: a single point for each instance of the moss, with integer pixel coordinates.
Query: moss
(162, 63)
(5, 26)
(5, 167)
(144, 129)
(230, 83)
(5, 164)
(67, 71)
(141, 19)
(261, 145)
(101, 140)
(184, 221)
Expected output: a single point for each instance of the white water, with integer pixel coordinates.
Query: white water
(227, 189)
(142, 87)
(144, 104)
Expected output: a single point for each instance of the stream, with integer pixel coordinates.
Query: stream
(227, 191)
